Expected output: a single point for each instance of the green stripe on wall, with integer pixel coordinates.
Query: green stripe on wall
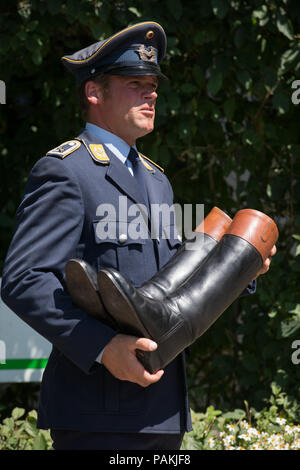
(23, 364)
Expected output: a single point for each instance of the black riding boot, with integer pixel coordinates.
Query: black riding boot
(81, 278)
(177, 321)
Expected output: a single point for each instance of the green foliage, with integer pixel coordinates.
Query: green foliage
(20, 395)
(22, 434)
(226, 134)
(269, 429)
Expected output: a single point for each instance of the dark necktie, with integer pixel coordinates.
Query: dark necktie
(138, 172)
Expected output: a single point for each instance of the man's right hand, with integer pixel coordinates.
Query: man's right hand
(120, 359)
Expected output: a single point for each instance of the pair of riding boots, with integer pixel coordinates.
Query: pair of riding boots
(188, 294)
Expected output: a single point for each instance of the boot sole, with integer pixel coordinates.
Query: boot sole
(122, 310)
(83, 289)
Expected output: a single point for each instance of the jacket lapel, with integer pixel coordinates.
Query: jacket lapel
(116, 171)
(120, 177)
(153, 180)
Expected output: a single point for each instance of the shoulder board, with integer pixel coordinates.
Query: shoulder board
(153, 163)
(64, 149)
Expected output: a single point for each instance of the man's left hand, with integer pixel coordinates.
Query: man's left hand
(266, 265)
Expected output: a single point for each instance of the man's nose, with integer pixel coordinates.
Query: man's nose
(150, 93)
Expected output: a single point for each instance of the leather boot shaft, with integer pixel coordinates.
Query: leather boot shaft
(188, 257)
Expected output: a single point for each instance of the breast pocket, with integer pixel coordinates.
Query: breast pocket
(121, 247)
(169, 243)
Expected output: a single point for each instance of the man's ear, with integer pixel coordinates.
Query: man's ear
(93, 92)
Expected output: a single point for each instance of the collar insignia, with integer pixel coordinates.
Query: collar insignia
(149, 167)
(98, 153)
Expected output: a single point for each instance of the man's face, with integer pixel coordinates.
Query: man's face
(128, 106)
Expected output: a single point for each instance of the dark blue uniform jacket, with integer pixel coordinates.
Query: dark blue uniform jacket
(57, 220)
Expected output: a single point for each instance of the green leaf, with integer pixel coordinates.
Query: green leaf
(135, 11)
(250, 137)
(32, 416)
(269, 76)
(260, 12)
(288, 328)
(244, 78)
(30, 429)
(281, 102)
(288, 59)
(236, 414)
(219, 8)
(37, 57)
(215, 82)
(39, 443)
(17, 413)
(5, 430)
(296, 311)
(9, 422)
(284, 25)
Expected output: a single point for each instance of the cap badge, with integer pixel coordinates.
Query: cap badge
(147, 54)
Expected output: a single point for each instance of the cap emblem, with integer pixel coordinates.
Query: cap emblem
(147, 54)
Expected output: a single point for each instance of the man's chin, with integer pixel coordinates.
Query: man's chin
(146, 126)
(145, 132)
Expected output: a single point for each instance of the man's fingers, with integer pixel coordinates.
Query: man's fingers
(152, 378)
(146, 378)
(145, 344)
(129, 368)
(273, 251)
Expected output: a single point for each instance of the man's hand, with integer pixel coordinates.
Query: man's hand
(120, 359)
(266, 265)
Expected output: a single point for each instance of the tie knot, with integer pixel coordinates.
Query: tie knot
(133, 156)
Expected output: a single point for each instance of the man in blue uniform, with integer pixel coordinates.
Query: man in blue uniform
(95, 394)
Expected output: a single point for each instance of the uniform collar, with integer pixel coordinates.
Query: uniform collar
(114, 143)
